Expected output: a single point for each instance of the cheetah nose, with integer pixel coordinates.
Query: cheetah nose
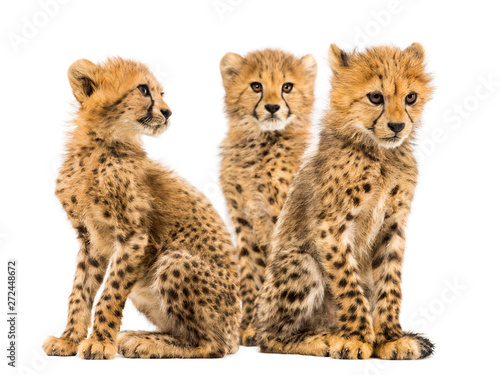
(272, 108)
(396, 127)
(167, 113)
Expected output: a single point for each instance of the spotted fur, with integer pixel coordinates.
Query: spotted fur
(262, 153)
(332, 284)
(166, 247)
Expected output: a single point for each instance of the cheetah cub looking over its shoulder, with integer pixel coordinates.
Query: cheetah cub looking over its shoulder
(269, 97)
(167, 247)
(333, 279)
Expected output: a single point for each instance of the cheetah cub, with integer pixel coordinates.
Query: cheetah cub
(269, 97)
(166, 247)
(332, 284)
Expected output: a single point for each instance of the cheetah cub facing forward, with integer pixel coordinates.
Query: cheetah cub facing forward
(167, 247)
(333, 280)
(269, 97)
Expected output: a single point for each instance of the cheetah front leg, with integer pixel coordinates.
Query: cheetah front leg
(356, 334)
(89, 274)
(124, 272)
(253, 266)
(252, 261)
(391, 341)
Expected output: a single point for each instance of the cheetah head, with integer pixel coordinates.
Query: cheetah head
(380, 93)
(121, 96)
(269, 89)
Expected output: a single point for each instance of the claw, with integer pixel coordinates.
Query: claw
(345, 353)
(360, 354)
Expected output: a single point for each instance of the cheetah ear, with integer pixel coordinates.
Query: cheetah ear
(417, 51)
(310, 66)
(82, 76)
(338, 58)
(230, 66)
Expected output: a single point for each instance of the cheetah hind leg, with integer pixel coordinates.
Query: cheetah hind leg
(184, 305)
(141, 344)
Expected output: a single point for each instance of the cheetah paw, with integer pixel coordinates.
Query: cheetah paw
(60, 347)
(130, 345)
(94, 349)
(343, 348)
(408, 346)
(247, 336)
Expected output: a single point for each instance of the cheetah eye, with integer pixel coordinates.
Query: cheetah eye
(256, 86)
(376, 98)
(161, 94)
(411, 98)
(144, 89)
(287, 87)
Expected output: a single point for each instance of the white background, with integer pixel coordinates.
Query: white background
(450, 276)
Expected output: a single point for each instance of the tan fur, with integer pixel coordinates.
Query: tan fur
(261, 155)
(167, 247)
(334, 270)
